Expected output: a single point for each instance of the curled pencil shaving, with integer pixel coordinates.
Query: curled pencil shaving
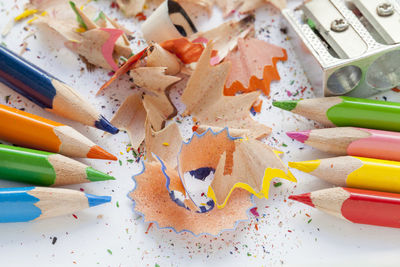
(226, 35)
(245, 6)
(154, 56)
(131, 117)
(152, 199)
(160, 57)
(253, 66)
(131, 8)
(232, 132)
(100, 46)
(156, 102)
(164, 143)
(250, 161)
(237, 163)
(123, 69)
(185, 50)
(205, 101)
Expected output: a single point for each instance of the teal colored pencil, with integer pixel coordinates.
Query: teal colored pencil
(27, 204)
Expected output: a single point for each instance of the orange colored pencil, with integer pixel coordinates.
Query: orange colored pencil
(28, 130)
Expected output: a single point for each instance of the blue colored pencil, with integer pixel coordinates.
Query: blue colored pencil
(48, 92)
(26, 204)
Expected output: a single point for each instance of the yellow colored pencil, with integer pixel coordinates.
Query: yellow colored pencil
(357, 172)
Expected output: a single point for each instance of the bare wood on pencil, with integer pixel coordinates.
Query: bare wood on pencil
(335, 140)
(73, 144)
(55, 203)
(70, 104)
(330, 200)
(316, 108)
(68, 171)
(333, 170)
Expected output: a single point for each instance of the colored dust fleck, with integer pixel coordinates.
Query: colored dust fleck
(109, 251)
(148, 228)
(117, 204)
(277, 184)
(76, 217)
(255, 212)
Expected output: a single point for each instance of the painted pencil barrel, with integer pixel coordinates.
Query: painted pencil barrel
(366, 113)
(44, 168)
(356, 205)
(26, 204)
(347, 111)
(24, 129)
(356, 172)
(352, 141)
(26, 79)
(48, 92)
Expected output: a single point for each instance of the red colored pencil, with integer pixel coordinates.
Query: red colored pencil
(356, 205)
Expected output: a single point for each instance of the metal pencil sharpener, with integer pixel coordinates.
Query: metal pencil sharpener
(347, 47)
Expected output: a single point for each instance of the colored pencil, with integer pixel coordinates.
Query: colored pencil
(25, 204)
(350, 171)
(353, 141)
(28, 130)
(356, 205)
(347, 111)
(48, 92)
(44, 168)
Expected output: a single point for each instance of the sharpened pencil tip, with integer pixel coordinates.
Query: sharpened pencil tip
(97, 176)
(288, 105)
(97, 200)
(299, 136)
(303, 198)
(97, 152)
(305, 166)
(105, 125)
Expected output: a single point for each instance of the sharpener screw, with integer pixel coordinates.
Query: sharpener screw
(339, 25)
(385, 9)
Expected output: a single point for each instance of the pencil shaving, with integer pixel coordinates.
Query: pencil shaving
(154, 144)
(226, 35)
(205, 101)
(131, 117)
(152, 199)
(253, 66)
(159, 57)
(156, 102)
(254, 165)
(245, 6)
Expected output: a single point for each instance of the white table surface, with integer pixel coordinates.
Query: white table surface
(284, 236)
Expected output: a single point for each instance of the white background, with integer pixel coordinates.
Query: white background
(284, 236)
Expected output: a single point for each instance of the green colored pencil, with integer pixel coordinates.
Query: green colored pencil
(44, 168)
(347, 111)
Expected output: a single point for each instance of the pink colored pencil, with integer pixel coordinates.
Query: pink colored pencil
(353, 141)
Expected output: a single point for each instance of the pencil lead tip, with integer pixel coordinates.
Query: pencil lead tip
(97, 176)
(305, 166)
(97, 200)
(105, 125)
(299, 136)
(303, 198)
(96, 152)
(288, 105)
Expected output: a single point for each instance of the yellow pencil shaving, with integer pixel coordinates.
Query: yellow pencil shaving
(129, 148)
(269, 174)
(165, 144)
(80, 29)
(305, 166)
(25, 14)
(44, 13)
(81, 7)
(32, 19)
(121, 153)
